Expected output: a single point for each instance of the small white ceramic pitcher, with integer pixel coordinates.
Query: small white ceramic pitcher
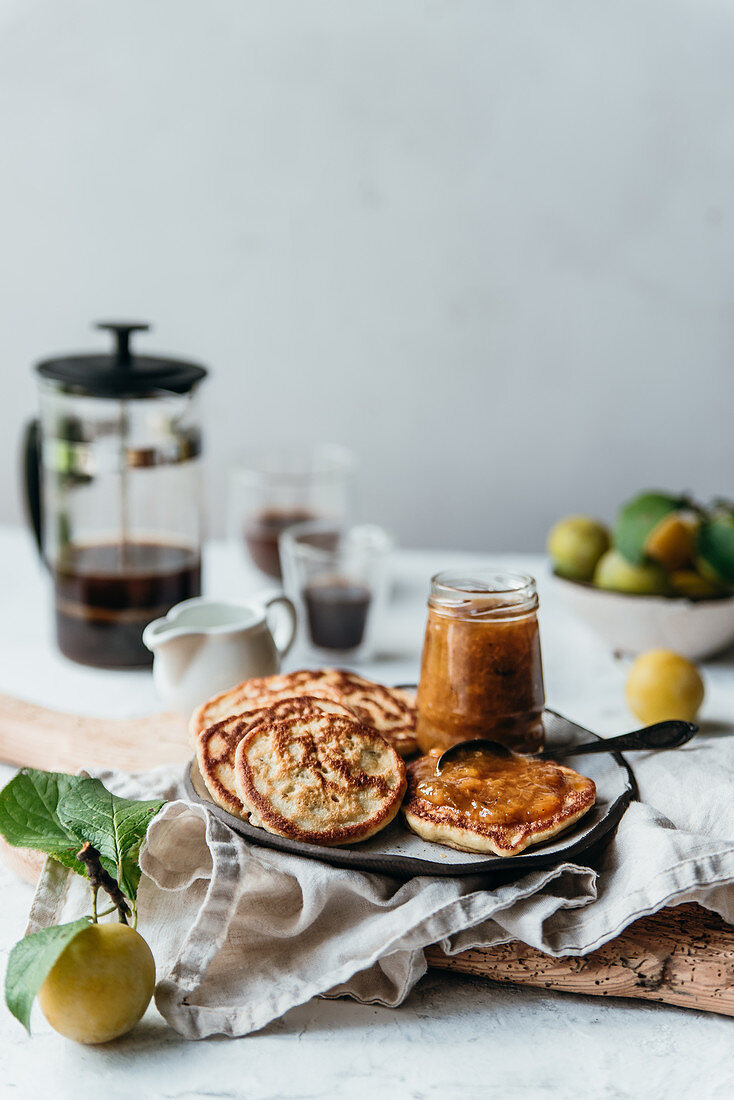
(204, 646)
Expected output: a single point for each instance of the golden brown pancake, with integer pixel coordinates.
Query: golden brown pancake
(492, 804)
(218, 743)
(319, 778)
(388, 710)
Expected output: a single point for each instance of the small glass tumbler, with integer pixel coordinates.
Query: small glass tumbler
(282, 487)
(338, 579)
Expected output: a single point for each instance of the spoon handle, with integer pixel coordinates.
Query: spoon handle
(663, 735)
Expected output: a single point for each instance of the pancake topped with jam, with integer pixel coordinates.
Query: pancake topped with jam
(497, 804)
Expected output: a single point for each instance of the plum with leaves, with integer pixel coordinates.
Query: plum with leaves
(644, 519)
(94, 981)
(100, 985)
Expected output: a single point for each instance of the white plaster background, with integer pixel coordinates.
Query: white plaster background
(488, 244)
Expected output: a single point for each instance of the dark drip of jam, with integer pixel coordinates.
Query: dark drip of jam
(107, 593)
(337, 613)
(262, 532)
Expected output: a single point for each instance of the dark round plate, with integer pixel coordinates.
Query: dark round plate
(398, 852)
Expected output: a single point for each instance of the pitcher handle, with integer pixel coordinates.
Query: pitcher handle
(287, 629)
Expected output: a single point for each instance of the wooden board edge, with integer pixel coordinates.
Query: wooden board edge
(682, 956)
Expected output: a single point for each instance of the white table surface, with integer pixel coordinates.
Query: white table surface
(454, 1036)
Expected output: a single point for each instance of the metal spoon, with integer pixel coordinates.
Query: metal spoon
(663, 735)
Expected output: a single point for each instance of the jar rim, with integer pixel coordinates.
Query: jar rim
(363, 538)
(483, 593)
(293, 467)
(479, 582)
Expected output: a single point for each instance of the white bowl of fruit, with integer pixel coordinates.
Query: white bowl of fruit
(663, 577)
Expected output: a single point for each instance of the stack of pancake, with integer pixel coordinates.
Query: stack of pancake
(317, 756)
(314, 756)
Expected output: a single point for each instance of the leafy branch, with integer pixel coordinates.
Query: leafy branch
(97, 876)
(98, 835)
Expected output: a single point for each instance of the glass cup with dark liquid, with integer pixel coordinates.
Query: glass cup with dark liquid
(112, 470)
(337, 577)
(277, 489)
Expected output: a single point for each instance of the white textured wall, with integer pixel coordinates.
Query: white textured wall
(487, 243)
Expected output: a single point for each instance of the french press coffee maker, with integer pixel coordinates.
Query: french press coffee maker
(112, 480)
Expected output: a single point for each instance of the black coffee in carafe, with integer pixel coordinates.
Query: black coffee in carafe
(112, 475)
(106, 594)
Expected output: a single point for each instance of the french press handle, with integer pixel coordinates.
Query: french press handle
(32, 481)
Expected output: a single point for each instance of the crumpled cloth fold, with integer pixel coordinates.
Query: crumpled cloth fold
(242, 933)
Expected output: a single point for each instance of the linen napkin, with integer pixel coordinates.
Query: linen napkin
(242, 933)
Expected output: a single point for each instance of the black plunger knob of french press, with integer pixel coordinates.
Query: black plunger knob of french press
(122, 330)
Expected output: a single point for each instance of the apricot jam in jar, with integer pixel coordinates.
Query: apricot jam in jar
(481, 672)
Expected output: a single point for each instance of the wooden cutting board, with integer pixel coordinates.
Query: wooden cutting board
(682, 956)
(35, 737)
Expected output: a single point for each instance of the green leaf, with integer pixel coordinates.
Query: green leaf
(55, 813)
(715, 546)
(115, 826)
(29, 815)
(31, 960)
(638, 518)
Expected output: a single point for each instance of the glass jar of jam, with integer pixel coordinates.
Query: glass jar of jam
(481, 673)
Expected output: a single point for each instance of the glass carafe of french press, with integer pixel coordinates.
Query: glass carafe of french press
(112, 476)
